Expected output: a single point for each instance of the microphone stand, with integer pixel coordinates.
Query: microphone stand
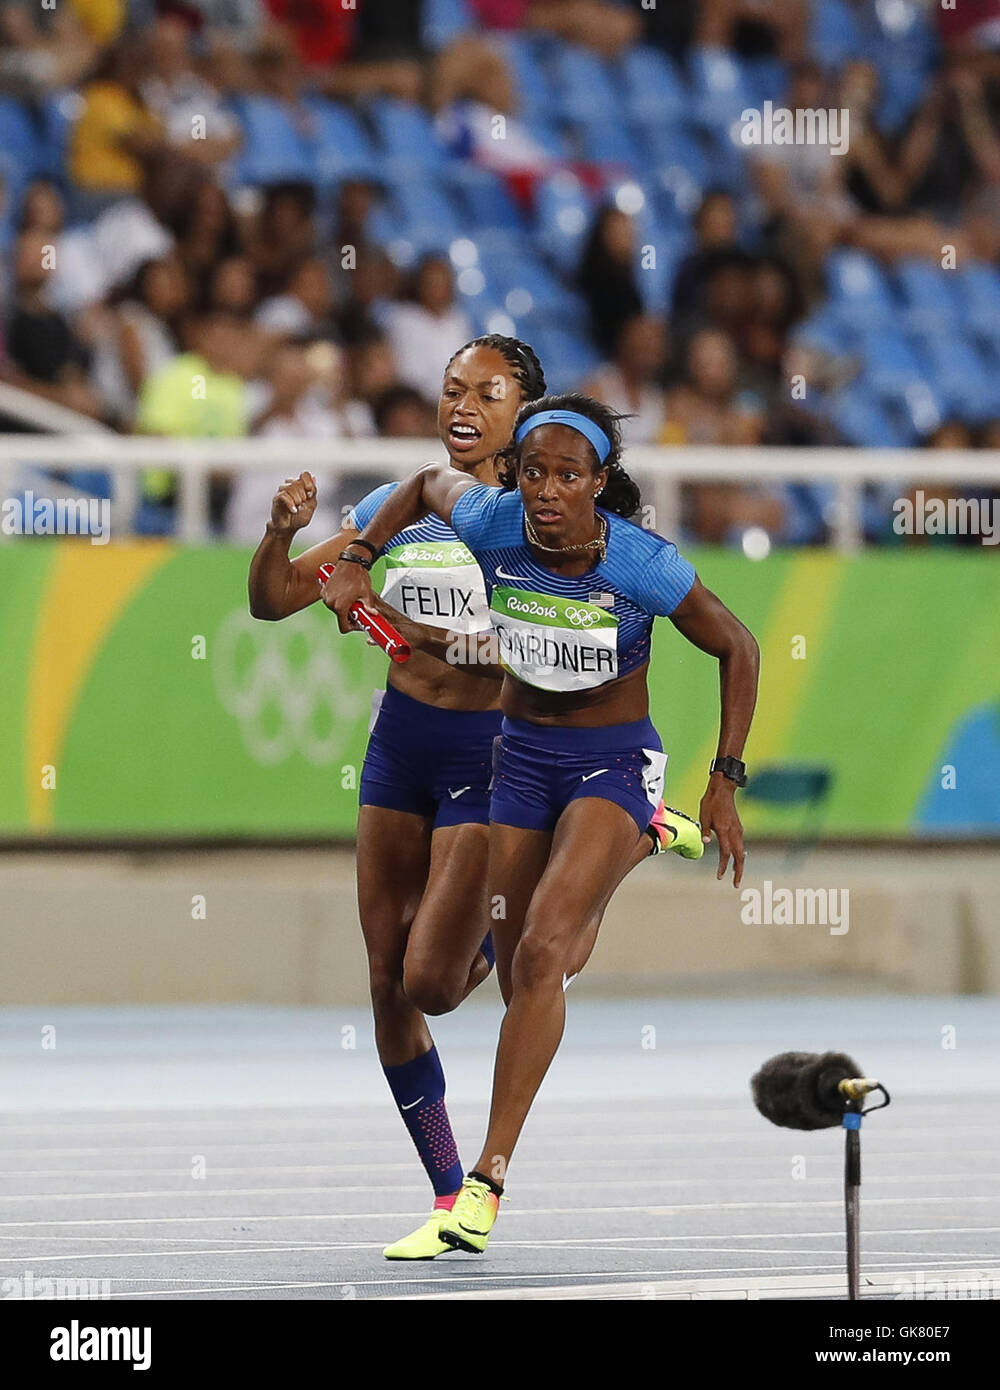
(854, 1091)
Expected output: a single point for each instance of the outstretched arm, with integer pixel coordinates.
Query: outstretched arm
(434, 488)
(279, 586)
(706, 622)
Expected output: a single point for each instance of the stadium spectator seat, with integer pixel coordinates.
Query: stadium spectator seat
(444, 21)
(962, 378)
(342, 146)
(928, 293)
(563, 212)
(860, 419)
(860, 293)
(719, 87)
(653, 90)
(482, 197)
(274, 148)
(978, 285)
(20, 151)
(406, 134)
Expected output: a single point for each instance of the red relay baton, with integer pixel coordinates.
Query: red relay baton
(381, 632)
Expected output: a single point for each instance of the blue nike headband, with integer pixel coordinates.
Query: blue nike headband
(580, 423)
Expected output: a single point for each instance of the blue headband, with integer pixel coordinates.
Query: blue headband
(580, 423)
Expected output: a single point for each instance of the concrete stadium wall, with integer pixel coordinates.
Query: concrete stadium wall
(281, 927)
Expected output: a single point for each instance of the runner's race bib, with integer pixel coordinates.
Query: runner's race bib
(555, 643)
(437, 583)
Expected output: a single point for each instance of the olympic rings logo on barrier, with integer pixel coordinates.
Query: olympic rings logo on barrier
(582, 617)
(288, 687)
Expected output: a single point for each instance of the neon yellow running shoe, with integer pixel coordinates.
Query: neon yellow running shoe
(422, 1244)
(686, 840)
(467, 1226)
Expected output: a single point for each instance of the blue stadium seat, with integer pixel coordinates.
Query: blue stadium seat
(606, 142)
(482, 197)
(728, 165)
(670, 146)
(824, 331)
(563, 212)
(720, 88)
(568, 358)
(655, 90)
(979, 286)
(57, 114)
(526, 284)
(444, 20)
(891, 362)
(273, 146)
(678, 193)
(928, 293)
(427, 215)
(584, 87)
(962, 378)
(655, 280)
(20, 160)
(342, 147)
(406, 134)
(766, 78)
(834, 36)
(528, 57)
(858, 287)
(862, 420)
(552, 136)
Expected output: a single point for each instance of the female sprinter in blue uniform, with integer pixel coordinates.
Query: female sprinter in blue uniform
(573, 592)
(422, 826)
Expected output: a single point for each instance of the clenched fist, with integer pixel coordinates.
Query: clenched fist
(294, 504)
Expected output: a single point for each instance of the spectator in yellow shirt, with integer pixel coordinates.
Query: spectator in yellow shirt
(115, 134)
(103, 20)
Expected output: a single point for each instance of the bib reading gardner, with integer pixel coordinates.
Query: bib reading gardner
(437, 583)
(554, 643)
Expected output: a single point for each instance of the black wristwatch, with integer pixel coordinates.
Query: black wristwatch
(731, 768)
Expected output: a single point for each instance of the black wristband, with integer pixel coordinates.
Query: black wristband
(354, 560)
(359, 540)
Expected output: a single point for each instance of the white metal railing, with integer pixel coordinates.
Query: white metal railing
(659, 471)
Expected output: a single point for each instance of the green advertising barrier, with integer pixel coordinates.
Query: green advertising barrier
(140, 699)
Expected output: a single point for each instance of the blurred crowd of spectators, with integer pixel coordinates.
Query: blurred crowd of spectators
(146, 267)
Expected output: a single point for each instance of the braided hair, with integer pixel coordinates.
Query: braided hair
(619, 494)
(519, 356)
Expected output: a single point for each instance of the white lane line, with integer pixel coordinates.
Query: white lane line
(450, 1263)
(647, 1208)
(597, 1132)
(637, 1244)
(577, 1212)
(832, 1157)
(182, 1170)
(692, 1289)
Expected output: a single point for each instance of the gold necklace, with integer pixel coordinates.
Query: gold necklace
(600, 543)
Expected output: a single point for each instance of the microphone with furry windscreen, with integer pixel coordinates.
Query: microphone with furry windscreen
(799, 1090)
(816, 1090)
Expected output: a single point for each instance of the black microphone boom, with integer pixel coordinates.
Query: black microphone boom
(799, 1090)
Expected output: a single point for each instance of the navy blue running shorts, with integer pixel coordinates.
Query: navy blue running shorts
(540, 770)
(429, 761)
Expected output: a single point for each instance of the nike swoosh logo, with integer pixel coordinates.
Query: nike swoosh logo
(412, 1103)
(453, 795)
(594, 774)
(502, 574)
(471, 1230)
